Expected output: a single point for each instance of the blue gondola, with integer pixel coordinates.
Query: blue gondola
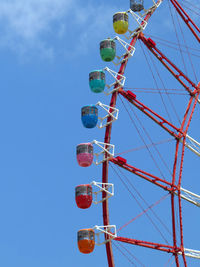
(89, 116)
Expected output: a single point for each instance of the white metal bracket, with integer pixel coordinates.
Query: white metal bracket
(102, 187)
(118, 83)
(157, 4)
(130, 50)
(106, 152)
(192, 144)
(142, 23)
(191, 197)
(191, 253)
(111, 112)
(138, 19)
(109, 233)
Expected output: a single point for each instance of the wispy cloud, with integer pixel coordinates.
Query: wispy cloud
(37, 26)
(23, 22)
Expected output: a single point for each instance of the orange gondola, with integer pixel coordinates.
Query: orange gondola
(86, 240)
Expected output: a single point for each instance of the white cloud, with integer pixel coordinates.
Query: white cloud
(35, 25)
(30, 17)
(23, 22)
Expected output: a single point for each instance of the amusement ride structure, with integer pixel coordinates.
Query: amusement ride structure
(104, 152)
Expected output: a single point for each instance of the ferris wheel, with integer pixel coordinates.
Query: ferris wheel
(160, 150)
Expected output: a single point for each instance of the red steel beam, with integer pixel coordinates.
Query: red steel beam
(171, 67)
(121, 162)
(150, 113)
(152, 245)
(186, 18)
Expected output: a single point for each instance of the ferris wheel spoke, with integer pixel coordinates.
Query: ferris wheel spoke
(121, 162)
(146, 244)
(186, 18)
(185, 194)
(150, 113)
(171, 67)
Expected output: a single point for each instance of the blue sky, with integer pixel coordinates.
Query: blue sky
(47, 49)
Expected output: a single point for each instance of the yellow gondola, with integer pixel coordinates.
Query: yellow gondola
(120, 22)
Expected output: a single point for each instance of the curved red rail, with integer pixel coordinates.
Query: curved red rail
(181, 134)
(107, 140)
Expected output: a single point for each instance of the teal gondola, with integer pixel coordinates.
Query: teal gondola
(97, 81)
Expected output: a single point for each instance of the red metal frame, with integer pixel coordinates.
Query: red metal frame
(177, 133)
(150, 113)
(152, 245)
(143, 174)
(186, 19)
(171, 67)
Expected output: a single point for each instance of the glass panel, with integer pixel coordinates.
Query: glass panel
(102, 76)
(84, 190)
(84, 149)
(137, 2)
(86, 235)
(90, 149)
(85, 111)
(94, 110)
(89, 110)
(137, 5)
(91, 235)
(83, 235)
(94, 75)
(107, 44)
(120, 16)
(89, 188)
(81, 190)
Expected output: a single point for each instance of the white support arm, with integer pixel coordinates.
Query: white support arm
(191, 253)
(111, 112)
(105, 149)
(157, 4)
(130, 50)
(138, 19)
(120, 82)
(192, 144)
(109, 230)
(108, 188)
(190, 196)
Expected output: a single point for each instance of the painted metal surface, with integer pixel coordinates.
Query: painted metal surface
(177, 132)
